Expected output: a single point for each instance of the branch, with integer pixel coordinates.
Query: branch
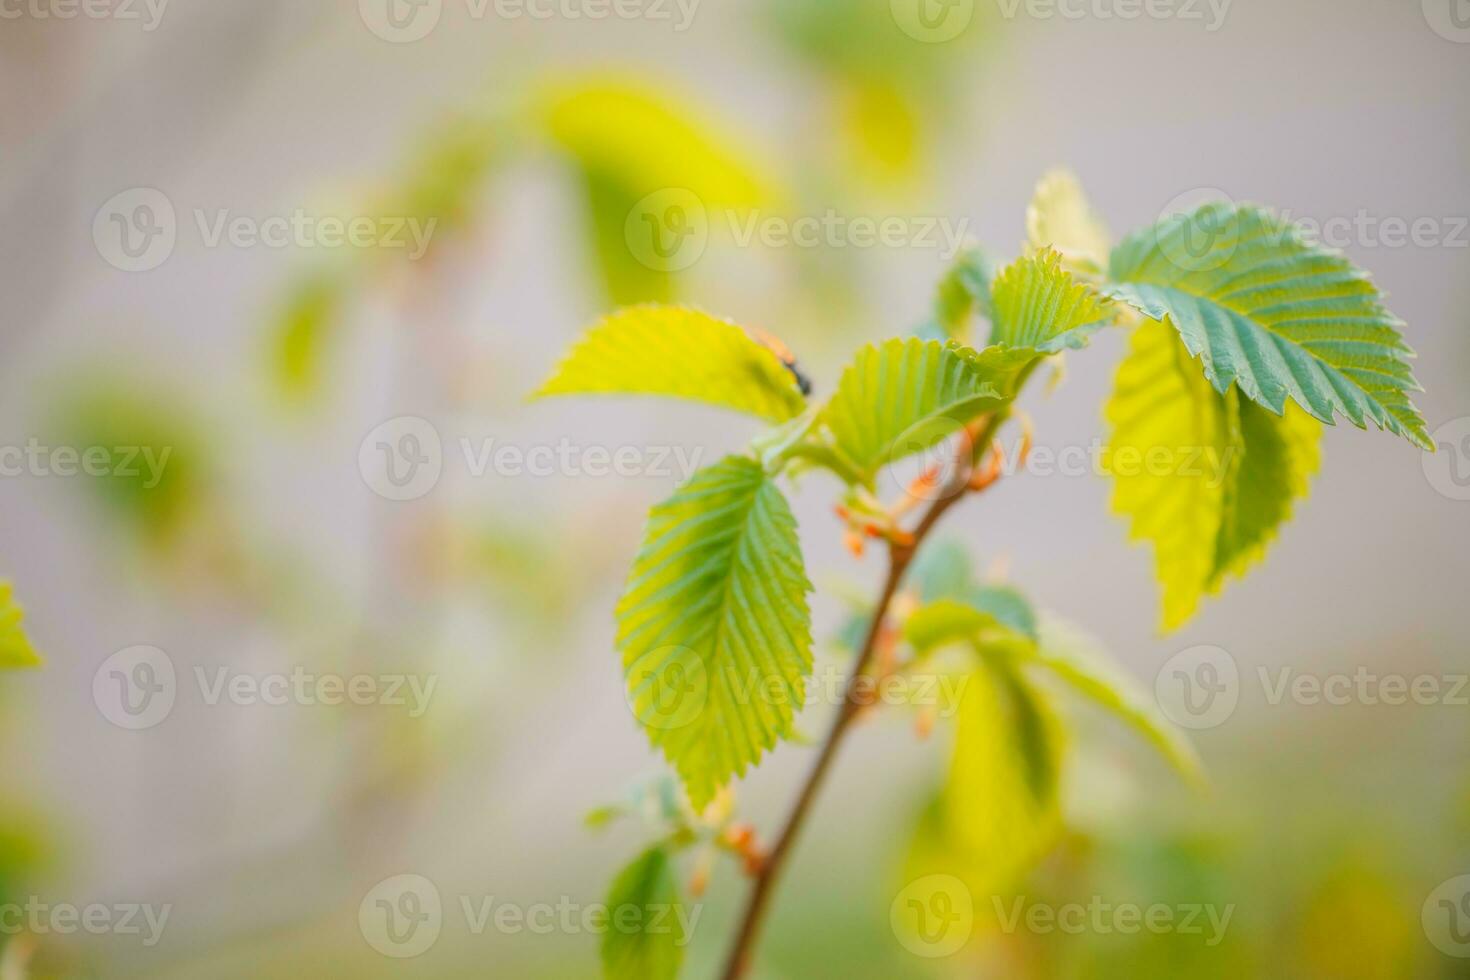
(900, 553)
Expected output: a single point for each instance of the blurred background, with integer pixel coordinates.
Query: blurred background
(180, 286)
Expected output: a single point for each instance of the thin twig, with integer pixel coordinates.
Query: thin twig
(900, 553)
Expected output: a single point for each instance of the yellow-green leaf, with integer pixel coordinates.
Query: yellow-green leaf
(680, 353)
(1037, 304)
(646, 944)
(644, 156)
(1206, 478)
(15, 647)
(1001, 809)
(904, 396)
(1061, 218)
(714, 627)
(1080, 661)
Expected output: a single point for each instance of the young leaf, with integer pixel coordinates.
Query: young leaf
(1207, 478)
(1061, 218)
(1283, 318)
(653, 948)
(15, 647)
(1038, 305)
(1078, 660)
(1001, 805)
(714, 627)
(905, 396)
(680, 353)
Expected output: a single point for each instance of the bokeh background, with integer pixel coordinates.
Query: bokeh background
(265, 546)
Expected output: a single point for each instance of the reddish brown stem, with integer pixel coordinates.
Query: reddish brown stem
(900, 553)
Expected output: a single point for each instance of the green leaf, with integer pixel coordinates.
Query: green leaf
(680, 353)
(963, 292)
(1206, 478)
(940, 570)
(1001, 809)
(905, 396)
(1281, 317)
(1081, 662)
(304, 332)
(1038, 305)
(714, 627)
(1061, 218)
(16, 651)
(634, 147)
(967, 615)
(654, 949)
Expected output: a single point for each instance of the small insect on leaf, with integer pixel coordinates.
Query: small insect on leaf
(783, 353)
